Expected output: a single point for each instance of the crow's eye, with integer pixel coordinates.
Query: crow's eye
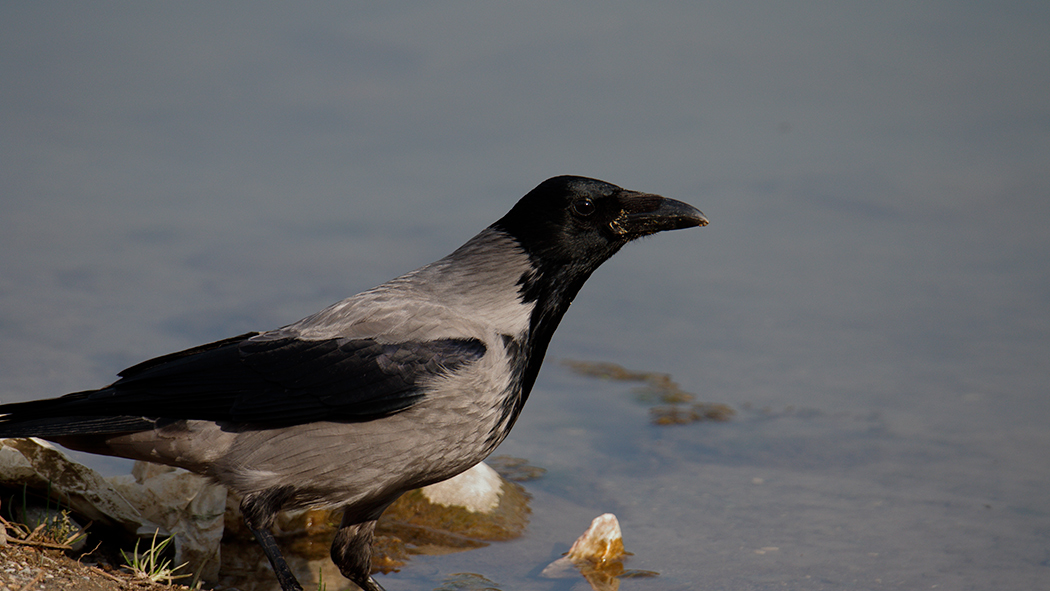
(583, 207)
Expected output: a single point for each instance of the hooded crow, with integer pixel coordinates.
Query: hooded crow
(398, 387)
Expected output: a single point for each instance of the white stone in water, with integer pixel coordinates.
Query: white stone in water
(601, 543)
(476, 490)
(592, 554)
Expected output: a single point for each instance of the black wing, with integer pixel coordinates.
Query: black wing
(283, 381)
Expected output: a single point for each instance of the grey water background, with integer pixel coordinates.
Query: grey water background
(872, 294)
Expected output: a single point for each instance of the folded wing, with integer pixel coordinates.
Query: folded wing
(269, 381)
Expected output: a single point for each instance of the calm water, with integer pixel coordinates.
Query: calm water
(872, 295)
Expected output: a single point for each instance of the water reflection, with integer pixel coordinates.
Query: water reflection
(467, 512)
(672, 405)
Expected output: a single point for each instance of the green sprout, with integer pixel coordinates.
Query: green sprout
(150, 565)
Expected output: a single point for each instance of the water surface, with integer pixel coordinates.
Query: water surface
(872, 294)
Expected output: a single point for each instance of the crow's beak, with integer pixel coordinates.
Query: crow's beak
(644, 214)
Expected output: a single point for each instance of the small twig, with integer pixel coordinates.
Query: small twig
(39, 544)
(35, 580)
(81, 557)
(99, 571)
(80, 532)
(33, 533)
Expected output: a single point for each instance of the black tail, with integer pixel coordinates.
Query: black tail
(57, 417)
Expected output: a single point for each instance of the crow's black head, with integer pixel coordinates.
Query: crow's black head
(568, 226)
(577, 222)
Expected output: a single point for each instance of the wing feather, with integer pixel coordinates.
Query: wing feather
(269, 381)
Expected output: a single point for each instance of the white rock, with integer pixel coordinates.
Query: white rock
(477, 490)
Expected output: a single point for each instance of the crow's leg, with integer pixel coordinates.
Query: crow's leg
(273, 553)
(259, 511)
(370, 585)
(352, 553)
